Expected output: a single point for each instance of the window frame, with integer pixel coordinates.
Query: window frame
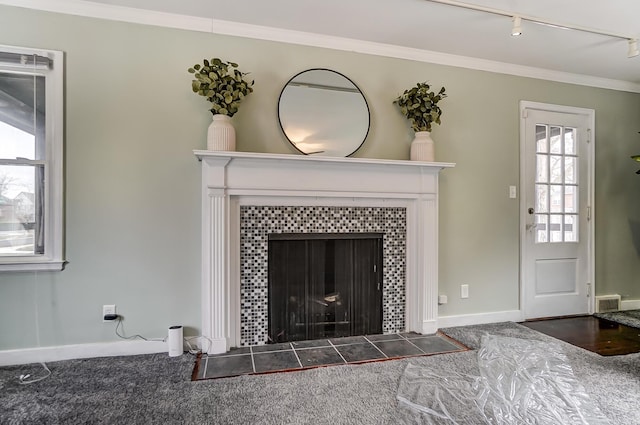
(53, 257)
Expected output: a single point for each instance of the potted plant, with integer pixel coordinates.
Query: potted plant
(420, 106)
(222, 84)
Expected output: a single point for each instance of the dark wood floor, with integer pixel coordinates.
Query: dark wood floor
(591, 333)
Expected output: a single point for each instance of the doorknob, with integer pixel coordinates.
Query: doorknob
(531, 210)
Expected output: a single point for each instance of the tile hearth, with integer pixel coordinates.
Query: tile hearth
(301, 355)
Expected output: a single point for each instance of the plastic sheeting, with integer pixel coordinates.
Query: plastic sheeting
(520, 382)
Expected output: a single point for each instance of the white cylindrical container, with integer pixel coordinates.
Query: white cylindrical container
(422, 147)
(175, 341)
(221, 136)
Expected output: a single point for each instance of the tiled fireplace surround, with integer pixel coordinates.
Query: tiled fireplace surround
(246, 196)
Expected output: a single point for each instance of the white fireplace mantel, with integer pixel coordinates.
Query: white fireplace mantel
(230, 179)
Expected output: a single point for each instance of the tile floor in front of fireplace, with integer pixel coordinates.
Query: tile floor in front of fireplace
(302, 355)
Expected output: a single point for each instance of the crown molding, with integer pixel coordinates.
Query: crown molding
(215, 26)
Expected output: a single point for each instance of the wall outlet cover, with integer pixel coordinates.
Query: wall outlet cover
(108, 309)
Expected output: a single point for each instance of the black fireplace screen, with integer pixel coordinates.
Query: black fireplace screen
(324, 285)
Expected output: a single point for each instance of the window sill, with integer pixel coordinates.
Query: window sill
(31, 265)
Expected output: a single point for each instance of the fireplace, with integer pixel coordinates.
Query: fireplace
(304, 194)
(260, 223)
(324, 285)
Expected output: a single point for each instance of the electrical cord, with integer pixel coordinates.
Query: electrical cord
(196, 351)
(119, 320)
(187, 340)
(24, 379)
(27, 378)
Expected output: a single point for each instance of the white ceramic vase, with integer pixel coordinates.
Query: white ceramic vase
(221, 136)
(422, 147)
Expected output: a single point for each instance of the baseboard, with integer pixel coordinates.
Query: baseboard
(480, 318)
(80, 351)
(630, 305)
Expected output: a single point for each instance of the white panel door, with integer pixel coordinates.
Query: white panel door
(556, 232)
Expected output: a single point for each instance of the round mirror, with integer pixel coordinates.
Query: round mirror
(324, 113)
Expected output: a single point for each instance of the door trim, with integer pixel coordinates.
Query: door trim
(590, 114)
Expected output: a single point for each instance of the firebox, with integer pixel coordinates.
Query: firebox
(324, 285)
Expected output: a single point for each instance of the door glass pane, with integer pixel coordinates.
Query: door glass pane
(541, 138)
(555, 139)
(569, 141)
(542, 221)
(571, 228)
(555, 228)
(570, 199)
(570, 169)
(556, 198)
(542, 197)
(542, 168)
(555, 168)
(556, 191)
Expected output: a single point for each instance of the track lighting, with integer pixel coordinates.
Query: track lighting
(633, 48)
(517, 23)
(517, 26)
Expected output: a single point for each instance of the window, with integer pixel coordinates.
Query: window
(31, 159)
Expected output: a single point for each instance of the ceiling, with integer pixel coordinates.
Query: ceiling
(433, 27)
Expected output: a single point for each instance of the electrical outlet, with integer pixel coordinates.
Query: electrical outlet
(464, 291)
(108, 309)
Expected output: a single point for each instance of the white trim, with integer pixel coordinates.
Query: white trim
(629, 305)
(80, 351)
(215, 26)
(52, 259)
(480, 318)
(31, 265)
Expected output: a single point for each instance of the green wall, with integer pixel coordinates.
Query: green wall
(132, 182)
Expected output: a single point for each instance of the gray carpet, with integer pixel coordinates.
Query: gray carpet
(157, 389)
(627, 317)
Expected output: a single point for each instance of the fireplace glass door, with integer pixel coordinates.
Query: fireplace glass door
(324, 285)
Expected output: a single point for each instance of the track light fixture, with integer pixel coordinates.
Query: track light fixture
(633, 48)
(517, 26)
(517, 23)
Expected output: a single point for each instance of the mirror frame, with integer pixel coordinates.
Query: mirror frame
(346, 78)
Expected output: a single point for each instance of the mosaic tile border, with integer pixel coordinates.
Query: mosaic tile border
(257, 222)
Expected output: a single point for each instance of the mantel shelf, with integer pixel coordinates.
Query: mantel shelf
(202, 154)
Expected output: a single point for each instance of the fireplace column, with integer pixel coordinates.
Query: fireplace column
(215, 256)
(427, 266)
